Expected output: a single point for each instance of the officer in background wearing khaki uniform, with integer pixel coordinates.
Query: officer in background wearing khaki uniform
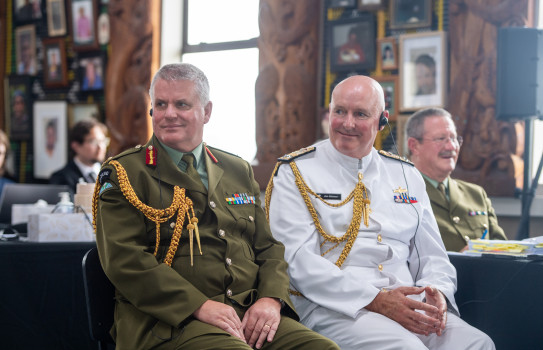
(182, 236)
(463, 210)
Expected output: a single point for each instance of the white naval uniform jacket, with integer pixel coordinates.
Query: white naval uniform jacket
(371, 265)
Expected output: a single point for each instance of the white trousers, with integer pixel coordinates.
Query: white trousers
(371, 330)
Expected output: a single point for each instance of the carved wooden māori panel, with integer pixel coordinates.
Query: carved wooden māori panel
(129, 72)
(491, 155)
(286, 88)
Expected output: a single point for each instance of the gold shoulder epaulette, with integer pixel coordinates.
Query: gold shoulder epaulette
(293, 155)
(395, 156)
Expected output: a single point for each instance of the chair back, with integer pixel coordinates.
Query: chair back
(99, 297)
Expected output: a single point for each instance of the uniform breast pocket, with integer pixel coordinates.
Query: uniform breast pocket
(244, 216)
(477, 222)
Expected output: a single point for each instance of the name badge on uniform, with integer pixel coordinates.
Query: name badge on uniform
(240, 198)
(335, 196)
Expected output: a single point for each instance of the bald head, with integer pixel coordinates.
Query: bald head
(356, 105)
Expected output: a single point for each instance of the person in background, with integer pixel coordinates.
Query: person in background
(5, 178)
(184, 240)
(88, 144)
(463, 210)
(367, 266)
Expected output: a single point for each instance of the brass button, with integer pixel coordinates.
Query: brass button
(485, 225)
(222, 233)
(138, 147)
(456, 219)
(380, 267)
(172, 224)
(228, 261)
(251, 218)
(212, 205)
(229, 292)
(379, 238)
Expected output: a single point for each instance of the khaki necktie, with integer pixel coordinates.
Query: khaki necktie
(188, 158)
(441, 189)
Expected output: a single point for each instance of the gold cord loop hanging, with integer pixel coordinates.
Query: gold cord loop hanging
(181, 204)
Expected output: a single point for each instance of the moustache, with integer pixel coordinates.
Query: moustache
(448, 154)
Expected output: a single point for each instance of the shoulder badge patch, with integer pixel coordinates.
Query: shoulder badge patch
(395, 156)
(289, 157)
(104, 175)
(105, 187)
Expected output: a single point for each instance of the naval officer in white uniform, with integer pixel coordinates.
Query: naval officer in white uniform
(367, 265)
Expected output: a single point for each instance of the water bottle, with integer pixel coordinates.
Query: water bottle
(64, 205)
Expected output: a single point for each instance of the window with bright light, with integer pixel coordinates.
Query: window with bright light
(220, 38)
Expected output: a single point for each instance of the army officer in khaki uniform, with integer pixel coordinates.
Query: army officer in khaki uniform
(463, 210)
(182, 236)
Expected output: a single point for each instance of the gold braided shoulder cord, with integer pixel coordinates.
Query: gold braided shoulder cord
(361, 208)
(180, 204)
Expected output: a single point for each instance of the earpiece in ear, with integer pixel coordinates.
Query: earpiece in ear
(383, 120)
(151, 112)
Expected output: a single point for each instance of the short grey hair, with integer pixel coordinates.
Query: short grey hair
(415, 124)
(183, 71)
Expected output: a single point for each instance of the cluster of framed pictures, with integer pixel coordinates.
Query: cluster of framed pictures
(80, 19)
(417, 61)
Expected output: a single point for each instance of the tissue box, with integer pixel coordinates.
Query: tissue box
(73, 227)
(20, 212)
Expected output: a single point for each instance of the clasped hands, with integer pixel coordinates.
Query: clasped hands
(395, 305)
(259, 323)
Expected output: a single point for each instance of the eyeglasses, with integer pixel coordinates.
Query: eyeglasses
(99, 142)
(441, 141)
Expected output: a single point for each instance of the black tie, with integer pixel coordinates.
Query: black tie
(92, 176)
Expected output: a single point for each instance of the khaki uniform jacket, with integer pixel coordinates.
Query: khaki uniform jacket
(240, 262)
(467, 213)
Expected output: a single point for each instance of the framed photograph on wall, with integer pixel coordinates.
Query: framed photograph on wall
(387, 53)
(423, 70)
(25, 49)
(27, 10)
(370, 5)
(83, 15)
(352, 43)
(82, 111)
(91, 72)
(18, 107)
(56, 18)
(55, 73)
(50, 137)
(405, 14)
(390, 88)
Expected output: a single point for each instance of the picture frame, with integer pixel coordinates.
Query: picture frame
(50, 137)
(390, 87)
(405, 14)
(83, 16)
(371, 5)
(423, 70)
(103, 29)
(91, 70)
(56, 18)
(25, 49)
(25, 11)
(342, 3)
(55, 72)
(18, 107)
(82, 111)
(352, 43)
(387, 53)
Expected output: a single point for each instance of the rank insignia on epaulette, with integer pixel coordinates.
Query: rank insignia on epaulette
(296, 154)
(240, 198)
(395, 156)
(150, 156)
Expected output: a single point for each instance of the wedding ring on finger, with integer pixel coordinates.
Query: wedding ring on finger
(266, 325)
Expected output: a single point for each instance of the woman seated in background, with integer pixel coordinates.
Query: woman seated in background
(4, 150)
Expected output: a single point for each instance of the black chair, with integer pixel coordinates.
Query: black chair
(99, 297)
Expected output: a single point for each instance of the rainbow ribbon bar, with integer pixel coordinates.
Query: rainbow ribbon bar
(403, 198)
(240, 198)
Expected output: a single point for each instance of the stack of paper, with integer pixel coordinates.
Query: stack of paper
(517, 248)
